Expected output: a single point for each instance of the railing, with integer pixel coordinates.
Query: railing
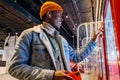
(93, 65)
(90, 29)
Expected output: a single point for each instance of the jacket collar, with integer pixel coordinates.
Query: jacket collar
(38, 28)
(50, 29)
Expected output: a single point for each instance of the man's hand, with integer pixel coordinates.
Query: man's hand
(62, 75)
(97, 35)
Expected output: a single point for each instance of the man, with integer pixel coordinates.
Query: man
(41, 53)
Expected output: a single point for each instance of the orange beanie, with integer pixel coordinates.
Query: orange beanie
(49, 6)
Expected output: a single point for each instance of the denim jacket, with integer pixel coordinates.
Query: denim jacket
(33, 57)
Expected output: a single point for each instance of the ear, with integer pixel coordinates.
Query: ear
(49, 15)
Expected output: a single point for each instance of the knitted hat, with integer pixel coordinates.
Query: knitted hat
(49, 6)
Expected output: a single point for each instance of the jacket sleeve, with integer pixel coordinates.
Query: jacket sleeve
(19, 65)
(84, 52)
